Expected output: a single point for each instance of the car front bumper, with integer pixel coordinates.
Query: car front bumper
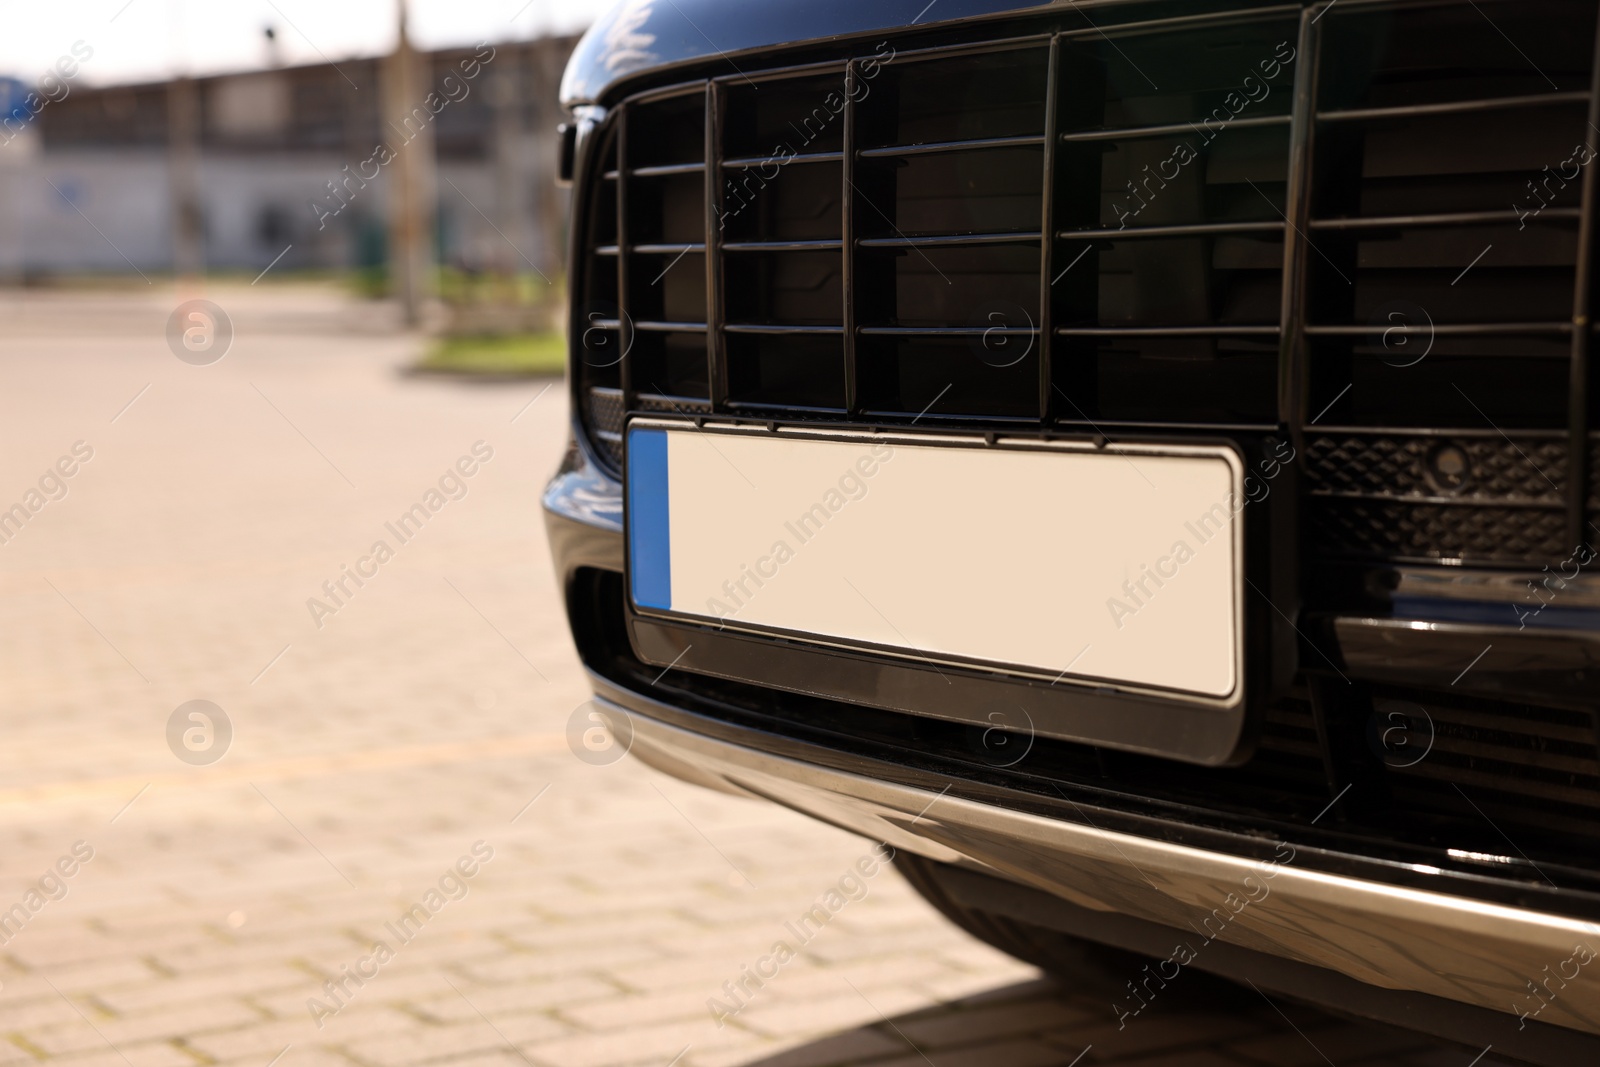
(1414, 941)
(1387, 936)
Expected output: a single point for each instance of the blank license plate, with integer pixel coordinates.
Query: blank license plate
(1117, 568)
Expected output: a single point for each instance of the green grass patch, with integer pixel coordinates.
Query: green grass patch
(530, 354)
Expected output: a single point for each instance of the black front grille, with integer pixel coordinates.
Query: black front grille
(1358, 224)
(1363, 223)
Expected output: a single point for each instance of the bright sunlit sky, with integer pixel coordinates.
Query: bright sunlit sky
(139, 40)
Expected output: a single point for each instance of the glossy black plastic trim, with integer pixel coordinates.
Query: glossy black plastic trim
(1558, 667)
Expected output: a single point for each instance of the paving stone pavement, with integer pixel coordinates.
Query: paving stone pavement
(229, 913)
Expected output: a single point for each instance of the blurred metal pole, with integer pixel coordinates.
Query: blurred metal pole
(410, 131)
(183, 177)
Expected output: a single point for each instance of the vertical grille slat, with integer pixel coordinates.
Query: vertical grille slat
(848, 235)
(625, 332)
(1292, 376)
(1047, 228)
(716, 360)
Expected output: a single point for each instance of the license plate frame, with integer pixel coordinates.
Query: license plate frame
(728, 445)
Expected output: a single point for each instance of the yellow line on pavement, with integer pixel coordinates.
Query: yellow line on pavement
(225, 773)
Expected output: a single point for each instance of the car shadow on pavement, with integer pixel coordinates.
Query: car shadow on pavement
(1209, 1022)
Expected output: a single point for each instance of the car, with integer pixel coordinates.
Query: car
(1137, 460)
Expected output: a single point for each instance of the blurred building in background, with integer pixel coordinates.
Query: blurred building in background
(237, 170)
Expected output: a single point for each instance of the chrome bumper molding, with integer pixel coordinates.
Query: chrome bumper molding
(1483, 954)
